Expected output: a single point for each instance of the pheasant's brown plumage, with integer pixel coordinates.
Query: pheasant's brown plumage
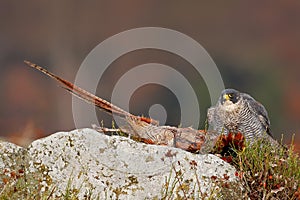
(90, 98)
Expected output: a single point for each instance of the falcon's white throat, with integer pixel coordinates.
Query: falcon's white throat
(229, 106)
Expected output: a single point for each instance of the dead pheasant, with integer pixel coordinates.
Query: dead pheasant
(145, 129)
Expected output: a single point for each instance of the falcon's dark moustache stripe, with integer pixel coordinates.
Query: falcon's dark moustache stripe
(88, 97)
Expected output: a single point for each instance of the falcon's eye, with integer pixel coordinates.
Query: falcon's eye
(229, 95)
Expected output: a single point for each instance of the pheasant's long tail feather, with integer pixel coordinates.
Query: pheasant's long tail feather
(90, 98)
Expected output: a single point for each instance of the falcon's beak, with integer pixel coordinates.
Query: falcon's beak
(226, 97)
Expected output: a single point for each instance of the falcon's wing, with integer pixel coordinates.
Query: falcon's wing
(258, 109)
(210, 115)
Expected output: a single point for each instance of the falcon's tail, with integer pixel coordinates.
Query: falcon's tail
(88, 97)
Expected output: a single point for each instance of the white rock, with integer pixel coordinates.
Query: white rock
(9, 154)
(113, 167)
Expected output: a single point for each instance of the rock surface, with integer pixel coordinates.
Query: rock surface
(113, 167)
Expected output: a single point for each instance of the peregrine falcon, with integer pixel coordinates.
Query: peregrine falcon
(239, 112)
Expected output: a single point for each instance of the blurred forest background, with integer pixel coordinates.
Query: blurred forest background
(255, 45)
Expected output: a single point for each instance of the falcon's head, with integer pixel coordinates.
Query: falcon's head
(230, 97)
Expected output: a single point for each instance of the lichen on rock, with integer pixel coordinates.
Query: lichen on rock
(90, 163)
